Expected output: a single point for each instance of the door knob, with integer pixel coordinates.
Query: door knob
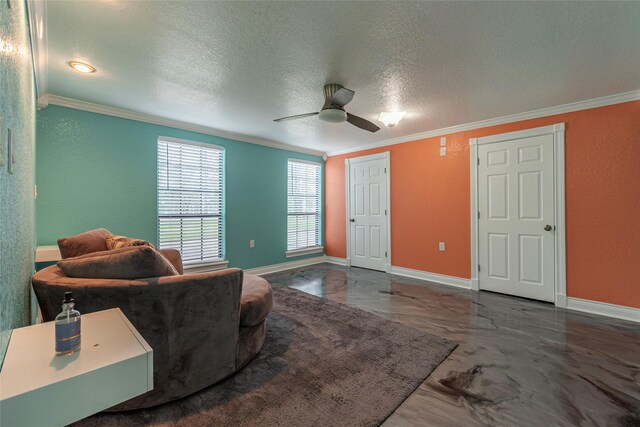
(353, 220)
(547, 227)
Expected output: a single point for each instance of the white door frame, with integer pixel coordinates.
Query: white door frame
(347, 180)
(557, 131)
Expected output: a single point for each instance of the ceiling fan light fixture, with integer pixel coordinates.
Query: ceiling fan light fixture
(335, 98)
(333, 115)
(391, 118)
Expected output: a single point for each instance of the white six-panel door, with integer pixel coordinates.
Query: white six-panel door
(516, 224)
(368, 213)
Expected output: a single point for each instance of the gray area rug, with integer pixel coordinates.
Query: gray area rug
(322, 364)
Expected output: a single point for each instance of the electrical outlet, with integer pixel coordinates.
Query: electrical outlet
(252, 243)
(441, 246)
(443, 151)
(443, 141)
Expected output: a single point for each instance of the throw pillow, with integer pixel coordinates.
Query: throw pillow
(135, 262)
(117, 242)
(85, 243)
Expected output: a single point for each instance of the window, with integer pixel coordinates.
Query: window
(303, 207)
(190, 201)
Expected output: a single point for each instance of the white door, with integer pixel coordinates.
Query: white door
(516, 241)
(368, 212)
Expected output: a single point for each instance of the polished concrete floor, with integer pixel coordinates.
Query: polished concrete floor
(518, 363)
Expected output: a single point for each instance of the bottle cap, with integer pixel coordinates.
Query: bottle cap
(68, 298)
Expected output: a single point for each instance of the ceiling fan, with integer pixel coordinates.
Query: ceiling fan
(335, 98)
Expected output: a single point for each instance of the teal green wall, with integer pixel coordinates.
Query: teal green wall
(17, 109)
(100, 171)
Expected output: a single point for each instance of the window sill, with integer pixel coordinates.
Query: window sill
(305, 251)
(203, 268)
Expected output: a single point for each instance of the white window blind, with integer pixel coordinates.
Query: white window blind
(303, 205)
(190, 200)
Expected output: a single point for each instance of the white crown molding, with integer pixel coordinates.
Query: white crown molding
(543, 112)
(148, 118)
(604, 309)
(37, 11)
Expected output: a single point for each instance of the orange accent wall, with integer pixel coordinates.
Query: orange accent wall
(430, 202)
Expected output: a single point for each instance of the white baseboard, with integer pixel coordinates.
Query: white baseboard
(274, 268)
(561, 301)
(577, 304)
(604, 309)
(400, 271)
(335, 260)
(432, 277)
(416, 274)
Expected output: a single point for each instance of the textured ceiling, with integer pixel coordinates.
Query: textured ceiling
(236, 66)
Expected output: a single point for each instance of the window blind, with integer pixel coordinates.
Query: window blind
(190, 211)
(303, 205)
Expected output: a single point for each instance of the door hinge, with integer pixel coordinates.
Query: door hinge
(385, 170)
(478, 161)
(385, 254)
(385, 212)
(478, 214)
(478, 267)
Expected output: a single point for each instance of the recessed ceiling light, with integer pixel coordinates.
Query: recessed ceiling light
(82, 67)
(391, 118)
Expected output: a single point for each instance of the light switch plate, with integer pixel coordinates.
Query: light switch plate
(443, 151)
(441, 246)
(252, 243)
(443, 141)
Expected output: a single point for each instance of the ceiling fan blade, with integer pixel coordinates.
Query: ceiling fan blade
(342, 97)
(299, 116)
(362, 123)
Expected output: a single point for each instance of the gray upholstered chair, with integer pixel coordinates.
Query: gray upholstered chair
(202, 327)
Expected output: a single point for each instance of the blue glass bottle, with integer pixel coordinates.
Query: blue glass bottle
(67, 327)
